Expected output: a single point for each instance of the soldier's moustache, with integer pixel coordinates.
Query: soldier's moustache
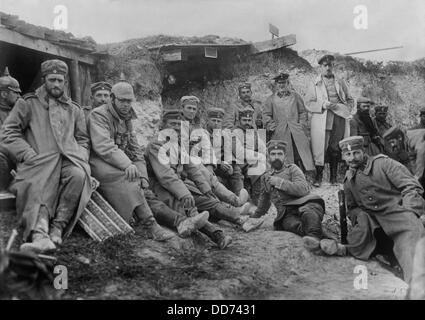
(277, 164)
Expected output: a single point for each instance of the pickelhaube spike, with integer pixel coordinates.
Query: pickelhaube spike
(6, 72)
(122, 77)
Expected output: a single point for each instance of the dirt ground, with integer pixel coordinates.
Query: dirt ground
(263, 264)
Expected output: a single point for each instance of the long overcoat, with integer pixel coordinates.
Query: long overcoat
(384, 194)
(315, 98)
(39, 132)
(287, 117)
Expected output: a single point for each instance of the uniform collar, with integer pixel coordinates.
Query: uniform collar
(285, 166)
(366, 170)
(319, 79)
(43, 96)
(111, 109)
(5, 107)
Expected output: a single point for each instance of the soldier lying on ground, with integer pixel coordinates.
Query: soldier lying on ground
(47, 134)
(298, 211)
(384, 202)
(9, 94)
(118, 163)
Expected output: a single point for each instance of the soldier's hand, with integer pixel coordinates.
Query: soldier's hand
(131, 173)
(188, 201)
(145, 183)
(227, 168)
(275, 181)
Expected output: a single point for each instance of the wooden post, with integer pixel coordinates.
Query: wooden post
(75, 81)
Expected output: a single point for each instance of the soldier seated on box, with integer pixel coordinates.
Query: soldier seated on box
(118, 163)
(298, 210)
(384, 202)
(47, 134)
(9, 94)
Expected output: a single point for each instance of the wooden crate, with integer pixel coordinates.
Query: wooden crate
(101, 221)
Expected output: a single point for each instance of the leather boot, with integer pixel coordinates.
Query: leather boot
(222, 240)
(155, 231)
(224, 211)
(332, 248)
(55, 234)
(319, 176)
(191, 224)
(40, 243)
(243, 197)
(333, 171)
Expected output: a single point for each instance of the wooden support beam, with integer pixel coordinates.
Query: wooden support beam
(75, 81)
(15, 38)
(276, 43)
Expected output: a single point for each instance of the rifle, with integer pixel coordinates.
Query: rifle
(342, 216)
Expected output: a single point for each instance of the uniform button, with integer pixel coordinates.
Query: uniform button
(376, 207)
(370, 198)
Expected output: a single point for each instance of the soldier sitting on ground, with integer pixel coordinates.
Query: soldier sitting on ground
(229, 173)
(9, 94)
(298, 210)
(117, 161)
(181, 185)
(384, 202)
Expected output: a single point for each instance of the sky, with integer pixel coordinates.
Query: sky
(318, 24)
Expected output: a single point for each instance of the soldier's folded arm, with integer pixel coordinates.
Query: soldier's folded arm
(348, 98)
(11, 135)
(165, 175)
(298, 186)
(103, 144)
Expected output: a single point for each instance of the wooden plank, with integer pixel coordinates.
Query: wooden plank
(273, 44)
(12, 37)
(75, 81)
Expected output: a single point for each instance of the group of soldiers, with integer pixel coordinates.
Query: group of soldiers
(60, 152)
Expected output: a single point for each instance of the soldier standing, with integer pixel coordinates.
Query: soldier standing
(362, 125)
(330, 104)
(380, 119)
(244, 101)
(285, 118)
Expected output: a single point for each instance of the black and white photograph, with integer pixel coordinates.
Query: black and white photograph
(212, 153)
